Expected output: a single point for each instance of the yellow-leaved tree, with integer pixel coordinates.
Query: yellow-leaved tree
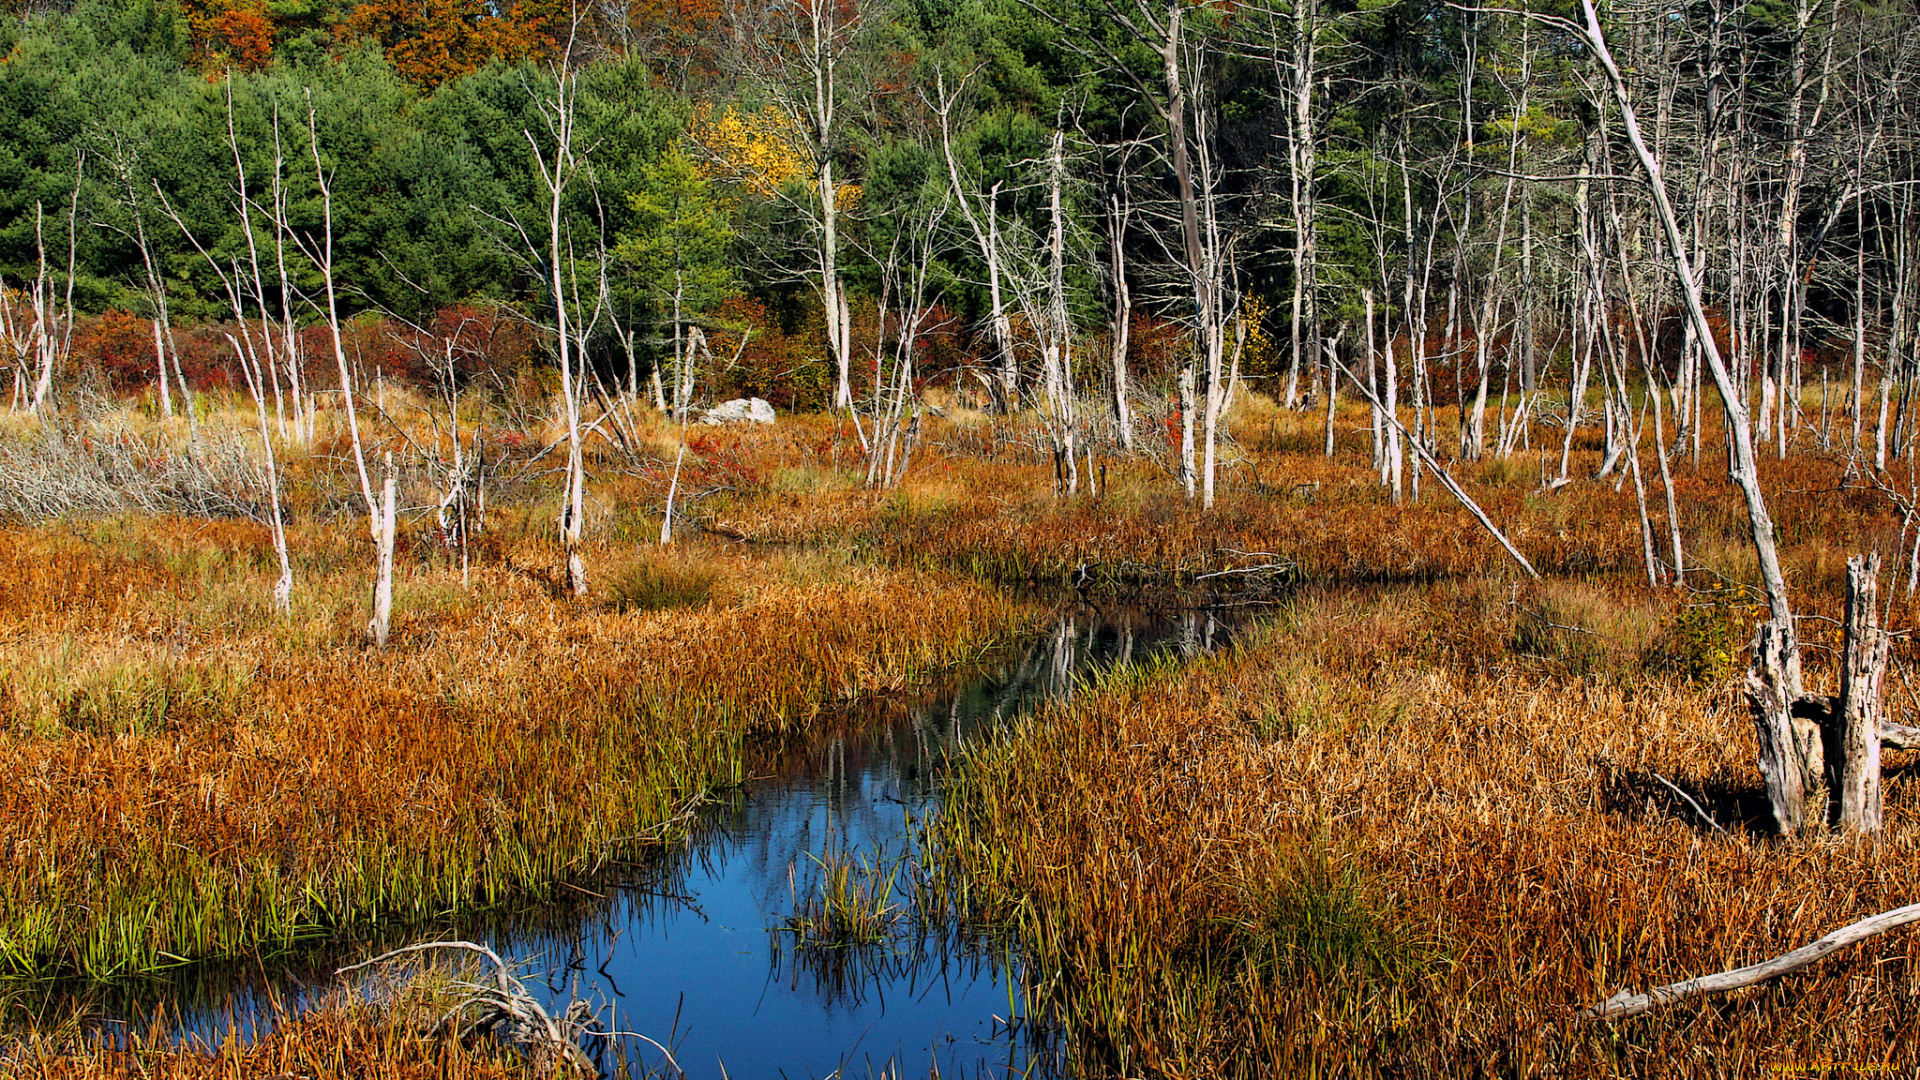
(762, 151)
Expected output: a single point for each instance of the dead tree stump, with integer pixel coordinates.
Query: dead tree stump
(1813, 743)
(1852, 733)
(1773, 689)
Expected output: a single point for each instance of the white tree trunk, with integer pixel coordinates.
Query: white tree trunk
(383, 579)
(1774, 681)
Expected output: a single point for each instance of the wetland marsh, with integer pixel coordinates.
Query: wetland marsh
(1405, 825)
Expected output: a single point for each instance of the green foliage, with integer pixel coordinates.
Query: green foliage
(426, 189)
(1318, 920)
(1702, 640)
(681, 239)
(152, 29)
(852, 901)
(1537, 125)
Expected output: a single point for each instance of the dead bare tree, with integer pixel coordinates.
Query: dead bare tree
(1055, 330)
(255, 350)
(1446, 480)
(1788, 747)
(383, 541)
(1202, 253)
(37, 320)
(807, 60)
(256, 378)
(1297, 68)
(1794, 729)
(122, 162)
(320, 254)
(1026, 273)
(458, 468)
(558, 165)
(895, 406)
(1473, 436)
(305, 407)
(983, 223)
(1119, 211)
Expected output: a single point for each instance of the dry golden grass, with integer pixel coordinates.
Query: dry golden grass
(981, 501)
(185, 775)
(1375, 840)
(346, 1035)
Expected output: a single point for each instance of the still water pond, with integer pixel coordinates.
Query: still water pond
(694, 952)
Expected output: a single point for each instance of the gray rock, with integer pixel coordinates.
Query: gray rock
(739, 411)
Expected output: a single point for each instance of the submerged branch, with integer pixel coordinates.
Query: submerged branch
(551, 1042)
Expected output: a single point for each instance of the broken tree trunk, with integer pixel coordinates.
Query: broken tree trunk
(1836, 739)
(1790, 753)
(383, 582)
(1852, 735)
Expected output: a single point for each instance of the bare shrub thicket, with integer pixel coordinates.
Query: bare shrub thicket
(65, 469)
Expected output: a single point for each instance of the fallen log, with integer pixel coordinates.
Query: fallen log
(1899, 736)
(1626, 1003)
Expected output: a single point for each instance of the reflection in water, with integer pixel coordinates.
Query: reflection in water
(694, 949)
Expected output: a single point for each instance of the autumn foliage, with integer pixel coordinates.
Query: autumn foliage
(762, 150)
(463, 342)
(431, 42)
(678, 35)
(772, 363)
(230, 34)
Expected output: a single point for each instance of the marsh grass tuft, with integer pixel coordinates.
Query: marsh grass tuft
(811, 480)
(853, 900)
(660, 585)
(127, 690)
(1581, 627)
(1318, 920)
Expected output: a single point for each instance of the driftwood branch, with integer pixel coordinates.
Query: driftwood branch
(1263, 568)
(1626, 1003)
(551, 1043)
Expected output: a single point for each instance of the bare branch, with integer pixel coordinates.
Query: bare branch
(1626, 1003)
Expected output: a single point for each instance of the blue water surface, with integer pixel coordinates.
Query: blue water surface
(693, 949)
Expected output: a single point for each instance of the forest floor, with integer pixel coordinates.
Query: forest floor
(1411, 826)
